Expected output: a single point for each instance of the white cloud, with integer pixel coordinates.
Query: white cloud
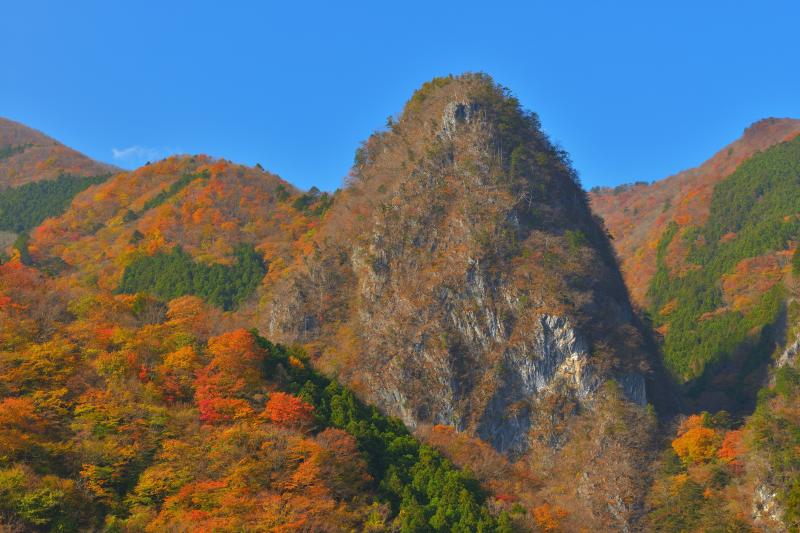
(136, 153)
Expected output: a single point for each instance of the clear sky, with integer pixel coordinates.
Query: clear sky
(634, 90)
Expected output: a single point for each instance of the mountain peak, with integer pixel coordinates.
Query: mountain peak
(27, 155)
(767, 130)
(460, 278)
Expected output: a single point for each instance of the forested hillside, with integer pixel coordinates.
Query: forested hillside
(184, 225)
(722, 298)
(39, 177)
(125, 414)
(25, 207)
(729, 287)
(637, 215)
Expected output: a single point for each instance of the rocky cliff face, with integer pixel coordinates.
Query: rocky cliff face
(460, 278)
(556, 362)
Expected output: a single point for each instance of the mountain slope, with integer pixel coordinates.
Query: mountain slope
(637, 215)
(717, 268)
(184, 225)
(38, 179)
(27, 155)
(712, 267)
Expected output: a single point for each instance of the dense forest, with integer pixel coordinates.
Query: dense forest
(25, 207)
(174, 274)
(752, 212)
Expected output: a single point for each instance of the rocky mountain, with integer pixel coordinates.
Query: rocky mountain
(27, 155)
(460, 279)
(466, 231)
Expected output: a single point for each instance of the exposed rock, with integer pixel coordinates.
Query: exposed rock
(789, 355)
(456, 113)
(767, 513)
(555, 359)
(633, 386)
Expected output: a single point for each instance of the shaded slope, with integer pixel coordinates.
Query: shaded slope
(720, 252)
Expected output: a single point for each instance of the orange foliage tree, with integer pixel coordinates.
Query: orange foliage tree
(695, 443)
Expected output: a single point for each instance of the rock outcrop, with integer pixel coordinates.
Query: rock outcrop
(767, 513)
(788, 356)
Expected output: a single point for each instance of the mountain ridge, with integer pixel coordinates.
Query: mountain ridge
(27, 155)
(634, 214)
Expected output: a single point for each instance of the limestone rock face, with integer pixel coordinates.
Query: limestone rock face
(767, 512)
(789, 354)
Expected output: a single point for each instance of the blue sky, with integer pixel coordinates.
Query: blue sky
(633, 90)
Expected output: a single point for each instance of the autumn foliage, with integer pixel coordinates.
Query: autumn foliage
(233, 373)
(695, 443)
(119, 412)
(288, 411)
(28, 156)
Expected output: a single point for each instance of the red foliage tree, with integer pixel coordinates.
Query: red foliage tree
(289, 411)
(732, 449)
